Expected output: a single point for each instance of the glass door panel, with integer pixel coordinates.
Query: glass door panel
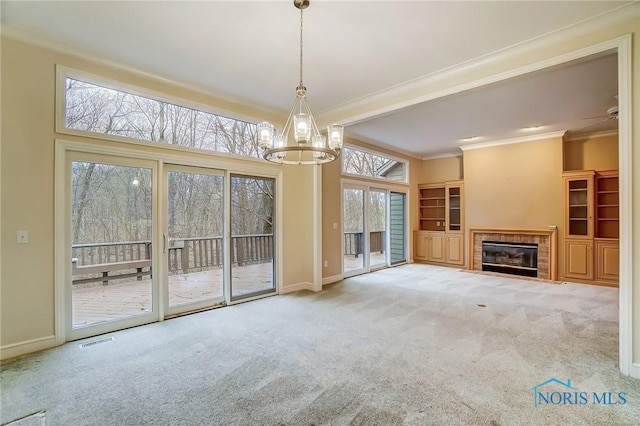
(252, 236)
(194, 240)
(397, 237)
(111, 245)
(578, 207)
(353, 231)
(377, 228)
(454, 203)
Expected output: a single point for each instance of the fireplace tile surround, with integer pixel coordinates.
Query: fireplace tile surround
(546, 239)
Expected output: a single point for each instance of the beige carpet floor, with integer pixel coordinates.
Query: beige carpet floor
(410, 345)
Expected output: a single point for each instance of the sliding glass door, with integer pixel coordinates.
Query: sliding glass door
(377, 214)
(193, 242)
(252, 244)
(146, 240)
(353, 220)
(111, 229)
(374, 231)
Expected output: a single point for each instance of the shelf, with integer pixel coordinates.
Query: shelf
(432, 207)
(608, 205)
(433, 219)
(608, 192)
(608, 218)
(578, 190)
(582, 219)
(578, 205)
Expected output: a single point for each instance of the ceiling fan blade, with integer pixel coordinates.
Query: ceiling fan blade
(597, 116)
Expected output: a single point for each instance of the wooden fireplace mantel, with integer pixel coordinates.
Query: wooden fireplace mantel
(550, 233)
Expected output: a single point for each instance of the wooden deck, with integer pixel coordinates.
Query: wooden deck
(352, 263)
(95, 303)
(124, 298)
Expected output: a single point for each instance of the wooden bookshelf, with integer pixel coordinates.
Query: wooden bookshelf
(432, 208)
(607, 205)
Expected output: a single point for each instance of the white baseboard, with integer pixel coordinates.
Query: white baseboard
(29, 346)
(296, 287)
(332, 279)
(634, 371)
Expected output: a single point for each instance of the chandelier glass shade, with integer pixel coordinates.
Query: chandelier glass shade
(307, 144)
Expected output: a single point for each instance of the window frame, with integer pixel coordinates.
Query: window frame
(344, 174)
(64, 72)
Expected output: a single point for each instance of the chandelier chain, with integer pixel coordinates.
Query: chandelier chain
(301, 16)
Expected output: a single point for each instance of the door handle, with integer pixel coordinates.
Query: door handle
(166, 241)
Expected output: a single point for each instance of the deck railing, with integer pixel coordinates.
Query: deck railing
(354, 242)
(184, 255)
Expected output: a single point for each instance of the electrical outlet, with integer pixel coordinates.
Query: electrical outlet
(326, 264)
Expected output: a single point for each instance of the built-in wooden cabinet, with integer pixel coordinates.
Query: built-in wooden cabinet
(441, 235)
(421, 245)
(578, 187)
(578, 256)
(436, 247)
(592, 226)
(453, 248)
(429, 246)
(607, 251)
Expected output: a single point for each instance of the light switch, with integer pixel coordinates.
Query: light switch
(23, 237)
(335, 225)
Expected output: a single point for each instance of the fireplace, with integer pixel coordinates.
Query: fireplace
(510, 258)
(544, 240)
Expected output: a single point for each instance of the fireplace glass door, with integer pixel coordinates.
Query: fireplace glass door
(510, 258)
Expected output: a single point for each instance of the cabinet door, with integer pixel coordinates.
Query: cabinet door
(421, 249)
(436, 248)
(578, 259)
(607, 261)
(579, 208)
(454, 249)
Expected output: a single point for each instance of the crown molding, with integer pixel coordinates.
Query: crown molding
(357, 138)
(21, 35)
(439, 156)
(531, 138)
(404, 90)
(602, 134)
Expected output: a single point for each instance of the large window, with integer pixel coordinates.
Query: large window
(363, 163)
(100, 110)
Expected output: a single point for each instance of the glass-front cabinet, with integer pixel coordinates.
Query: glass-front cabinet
(454, 207)
(579, 204)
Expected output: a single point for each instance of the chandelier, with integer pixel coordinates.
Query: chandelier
(308, 146)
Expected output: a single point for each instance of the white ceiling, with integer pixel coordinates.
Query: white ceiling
(248, 51)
